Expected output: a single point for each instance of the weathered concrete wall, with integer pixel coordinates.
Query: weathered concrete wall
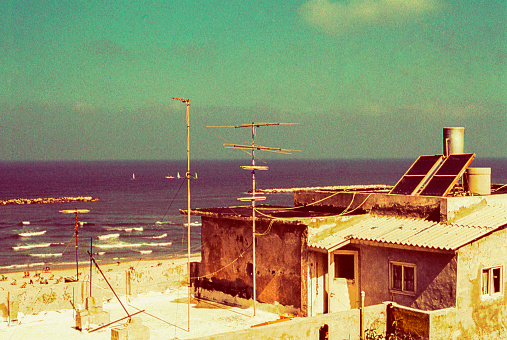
(341, 325)
(43, 298)
(409, 323)
(436, 209)
(227, 264)
(443, 324)
(375, 203)
(421, 325)
(37, 298)
(435, 277)
(481, 317)
(332, 199)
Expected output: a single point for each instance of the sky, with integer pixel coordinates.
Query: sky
(93, 79)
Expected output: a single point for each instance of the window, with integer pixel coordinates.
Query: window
(402, 277)
(492, 281)
(344, 266)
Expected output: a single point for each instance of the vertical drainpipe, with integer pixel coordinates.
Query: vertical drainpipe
(328, 282)
(361, 317)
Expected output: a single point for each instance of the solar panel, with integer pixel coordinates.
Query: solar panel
(417, 175)
(447, 175)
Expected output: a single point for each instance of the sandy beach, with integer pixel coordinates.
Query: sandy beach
(153, 272)
(159, 287)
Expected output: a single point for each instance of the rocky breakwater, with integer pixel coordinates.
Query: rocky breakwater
(44, 200)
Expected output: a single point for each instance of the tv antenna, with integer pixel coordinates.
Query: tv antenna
(253, 146)
(187, 175)
(76, 211)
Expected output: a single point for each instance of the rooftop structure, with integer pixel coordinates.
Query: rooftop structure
(433, 241)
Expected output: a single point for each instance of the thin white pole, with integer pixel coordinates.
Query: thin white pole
(188, 206)
(77, 252)
(187, 101)
(253, 219)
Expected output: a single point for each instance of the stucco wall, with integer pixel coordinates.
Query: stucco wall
(481, 317)
(341, 325)
(377, 203)
(226, 248)
(435, 277)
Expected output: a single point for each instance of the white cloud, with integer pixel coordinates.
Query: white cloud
(339, 17)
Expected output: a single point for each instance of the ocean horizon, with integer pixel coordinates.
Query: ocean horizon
(137, 213)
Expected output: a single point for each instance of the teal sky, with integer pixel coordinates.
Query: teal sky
(365, 78)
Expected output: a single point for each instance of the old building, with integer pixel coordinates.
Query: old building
(426, 246)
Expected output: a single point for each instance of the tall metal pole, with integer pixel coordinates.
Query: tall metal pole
(75, 211)
(187, 101)
(91, 252)
(253, 219)
(77, 256)
(188, 206)
(254, 198)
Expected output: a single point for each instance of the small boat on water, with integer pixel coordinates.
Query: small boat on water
(133, 177)
(177, 176)
(25, 223)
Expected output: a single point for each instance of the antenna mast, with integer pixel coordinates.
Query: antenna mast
(75, 211)
(253, 167)
(187, 101)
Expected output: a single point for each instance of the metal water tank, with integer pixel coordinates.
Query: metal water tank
(478, 181)
(454, 140)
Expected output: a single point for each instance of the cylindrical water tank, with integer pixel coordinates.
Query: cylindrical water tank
(478, 181)
(454, 140)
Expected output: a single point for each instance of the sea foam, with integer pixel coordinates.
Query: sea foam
(31, 246)
(34, 233)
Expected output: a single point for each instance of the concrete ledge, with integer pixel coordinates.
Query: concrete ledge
(132, 330)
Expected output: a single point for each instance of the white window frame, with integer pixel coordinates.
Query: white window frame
(403, 289)
(490, 293)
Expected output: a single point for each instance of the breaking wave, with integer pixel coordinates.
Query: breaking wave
(47, 255)
(134, 229)
(108, 236)
(132, 245)
(31, 246)
(34, 233)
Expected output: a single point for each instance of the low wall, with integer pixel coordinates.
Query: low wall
(422, 325)
(341, 325)
(36, 298)
(44, 298)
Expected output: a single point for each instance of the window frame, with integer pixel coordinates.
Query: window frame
(337, 265)
(490, 284)
(355, 253)
(403, 289)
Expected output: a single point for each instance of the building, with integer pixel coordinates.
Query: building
(420, 245)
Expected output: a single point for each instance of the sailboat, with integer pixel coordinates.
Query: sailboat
(133, 177)
(178, 175)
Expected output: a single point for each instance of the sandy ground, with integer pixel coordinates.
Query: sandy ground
(166, 312)
(38, 276)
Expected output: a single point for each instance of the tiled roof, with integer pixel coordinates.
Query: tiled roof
(331, 232)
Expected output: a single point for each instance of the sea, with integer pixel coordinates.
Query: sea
(137, 213)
